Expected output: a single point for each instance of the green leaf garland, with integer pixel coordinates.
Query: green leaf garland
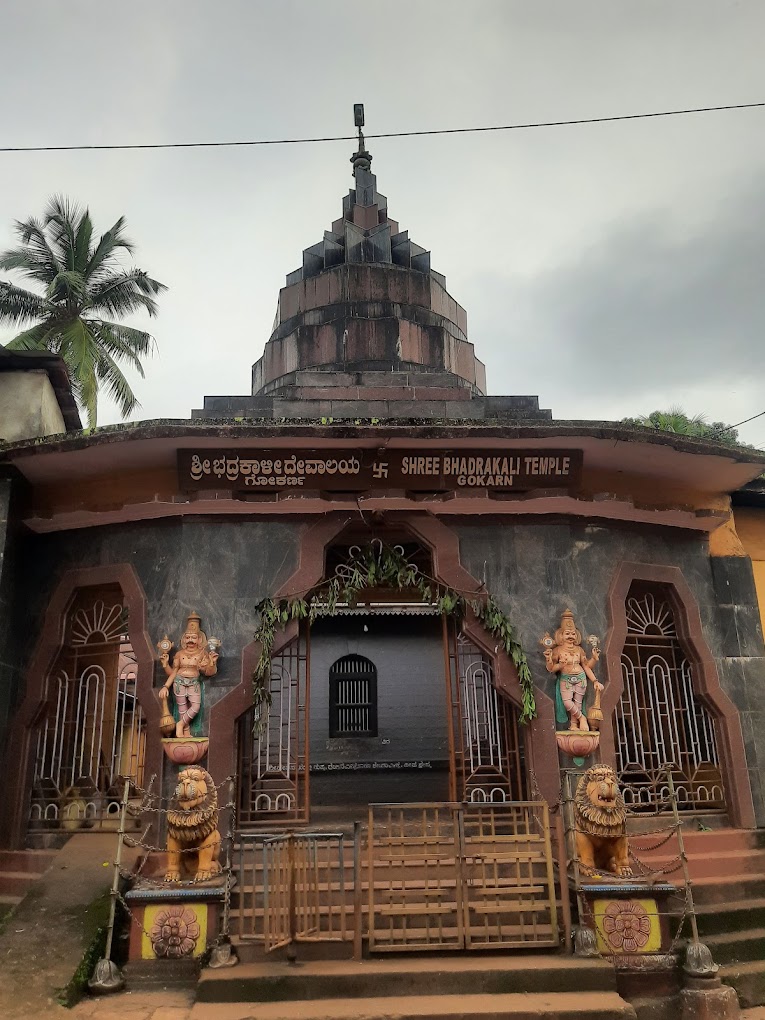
(379, 566)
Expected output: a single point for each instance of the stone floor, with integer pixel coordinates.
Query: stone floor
(173, 1005)
(168, 1005)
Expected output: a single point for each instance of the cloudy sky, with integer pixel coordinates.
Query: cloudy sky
(611, 269)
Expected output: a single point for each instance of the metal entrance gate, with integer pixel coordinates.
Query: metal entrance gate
(460, 876)
(304, 889)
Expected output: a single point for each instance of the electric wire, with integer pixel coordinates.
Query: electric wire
(389, 134)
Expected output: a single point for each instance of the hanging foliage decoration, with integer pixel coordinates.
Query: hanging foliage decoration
(379, 566)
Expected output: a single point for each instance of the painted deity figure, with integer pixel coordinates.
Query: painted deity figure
(565, 656)
(196, 658)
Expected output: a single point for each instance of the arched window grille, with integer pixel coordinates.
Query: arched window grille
(660, 721)
(353, 697)
(91, 729)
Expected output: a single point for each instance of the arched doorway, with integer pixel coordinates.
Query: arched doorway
(377, 705)
(232, 717)
(661, 721)
(90, 729)
(714, 758)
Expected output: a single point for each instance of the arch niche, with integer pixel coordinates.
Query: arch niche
(443, 545)
(706, 679)
(20, 749)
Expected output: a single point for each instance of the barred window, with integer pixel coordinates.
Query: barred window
(353, 697)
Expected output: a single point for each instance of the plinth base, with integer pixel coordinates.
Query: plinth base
(579, 744)
(708, 999)
(185, 750)
(175, 922)
(630, 918)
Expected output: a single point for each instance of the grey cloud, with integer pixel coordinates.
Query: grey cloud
(646, 306)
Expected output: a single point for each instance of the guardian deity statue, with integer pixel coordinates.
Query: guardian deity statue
(565, 656)
(196, 658)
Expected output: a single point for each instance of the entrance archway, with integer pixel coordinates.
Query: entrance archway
(540, 753)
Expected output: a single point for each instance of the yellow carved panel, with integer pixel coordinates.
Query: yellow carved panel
(173, 931)
(627, 926)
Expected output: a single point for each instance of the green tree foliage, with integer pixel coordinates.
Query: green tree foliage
(84, 288)
(677, 421)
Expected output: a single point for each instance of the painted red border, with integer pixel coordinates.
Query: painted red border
(706, 678)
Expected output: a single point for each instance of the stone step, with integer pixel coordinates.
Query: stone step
(714, 841)
(725, 864)
(737, 946)
(734, 889)
(518, 1006)
(749, 981)
(26, 860)
(432, 974)
(17, 883)
(743, 915)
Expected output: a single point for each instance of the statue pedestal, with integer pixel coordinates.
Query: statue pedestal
(630, 918)
(175, 922)
(579, 744)
(185, 750)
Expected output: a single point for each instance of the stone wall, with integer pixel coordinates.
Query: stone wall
(537, 570)
(221, 569)
(28, 406)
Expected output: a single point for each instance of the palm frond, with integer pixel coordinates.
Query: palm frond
(18, 305)
(33, 339)
(117, 386)
(61, 219)
(113, 241)
(68, 287)
(78, 348)
(35, 258)
(123, 342)
(126, 292)
(82, 241)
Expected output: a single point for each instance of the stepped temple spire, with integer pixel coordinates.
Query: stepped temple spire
(365, 327)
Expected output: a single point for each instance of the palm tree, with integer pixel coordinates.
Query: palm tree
(83, 282)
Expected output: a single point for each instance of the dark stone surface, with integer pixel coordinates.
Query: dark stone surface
(222, 568)
(219, 569)
(535, 571)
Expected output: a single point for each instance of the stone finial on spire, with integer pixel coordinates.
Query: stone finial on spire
(361, 160)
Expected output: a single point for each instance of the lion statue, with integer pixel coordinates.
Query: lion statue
(193, 826)
(600, 819)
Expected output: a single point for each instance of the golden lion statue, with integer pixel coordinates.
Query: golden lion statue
(193, 826)
(600, 818)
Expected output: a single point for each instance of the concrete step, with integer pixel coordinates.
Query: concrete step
(739, 916)
(519, 1006)
(734, 889)
(431, 974)
(714, 841)
(749, 981)
(36, 861)
(17, 883)
(724, 864)
(738, 946)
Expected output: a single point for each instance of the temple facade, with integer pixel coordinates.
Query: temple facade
(447, 578)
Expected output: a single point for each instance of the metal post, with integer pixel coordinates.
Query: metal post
(565, 894)
(106, 975)
(686, 876)
(116, 879)
(291, 899)
(357, 892)
(222, 955)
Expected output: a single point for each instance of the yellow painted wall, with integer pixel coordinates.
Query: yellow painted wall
(750, 526)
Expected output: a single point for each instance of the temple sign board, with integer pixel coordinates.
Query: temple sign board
(343, 470)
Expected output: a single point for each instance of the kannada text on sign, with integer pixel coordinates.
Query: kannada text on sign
(351, 470)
